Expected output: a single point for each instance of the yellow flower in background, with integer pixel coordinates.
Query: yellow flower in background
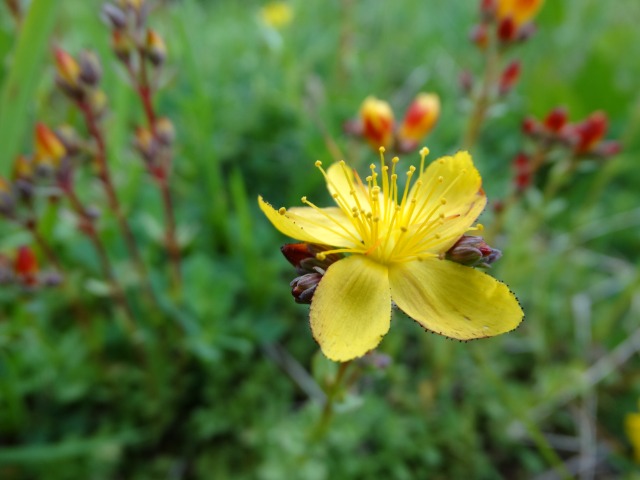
(377, 122)
(277, 14)
(395, 241)
(521, 11)
(632, 427)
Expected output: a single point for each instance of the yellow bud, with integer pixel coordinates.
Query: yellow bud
(421, 117)
(277, 14)
(377, 122)
(155, 48)
(49, 149)
(520, 11)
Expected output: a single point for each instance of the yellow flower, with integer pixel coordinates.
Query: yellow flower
(632, 426)
(277, 14)
(521, 11)
(396, 242)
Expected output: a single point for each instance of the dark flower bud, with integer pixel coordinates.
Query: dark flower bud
(473, 252)
(25, 266)
(509, 77)
(304, 286)
(114, 16)
(507, 29)
(90, 68)
(531, 127)
(7, 202)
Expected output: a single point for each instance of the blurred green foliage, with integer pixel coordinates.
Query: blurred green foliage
(226, 382)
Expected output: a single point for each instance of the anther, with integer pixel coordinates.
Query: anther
(443, 201)
(403, 228)
(480, 227)
(382, 150)
(424, 151)
(318, 163)
(282, 210)
(303, 199)
(342, 162)
(440, 179)
(321, 256)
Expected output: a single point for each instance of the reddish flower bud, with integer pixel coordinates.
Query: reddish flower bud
(509, 77)
(164, 131)
(479, 35)
(304, 256)
(556, 119)
(523, 176)
(377, 122)
(25, 266)
(590, 132)
(49, 148)
(507, 30)
(473, 252)
(419, 120)
(67, 73)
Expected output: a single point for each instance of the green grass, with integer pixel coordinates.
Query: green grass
(223, 382)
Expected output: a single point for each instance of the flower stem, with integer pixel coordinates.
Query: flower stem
(114, 204)
(483, 99)
(88, 228)
(321, 428)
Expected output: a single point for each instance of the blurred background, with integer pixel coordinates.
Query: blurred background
(224, 380)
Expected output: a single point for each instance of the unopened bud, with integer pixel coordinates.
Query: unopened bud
(155, 48)
(377, 122)
(421, 117)
(25, 266)
(90, 68)
(589, 132)
(304, 286)
(122, 45)
(473, 252)
(509, 77)
(523, 174)
(97, 100)
(49, 149)
(507, 30)
(164, 131)
(466, 82)
(22, 168)
(114, 16)
(69, 138)
(145, 143)
(7, 203)
(67, 73)
(556, 119)
(531, 127)
(304, 256)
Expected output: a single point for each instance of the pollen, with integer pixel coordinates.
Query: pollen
(282, 210)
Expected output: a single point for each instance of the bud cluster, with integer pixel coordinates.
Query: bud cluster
(376, 124)
(79, 79)
(509, 21)
(131, 40)
(473, 252)
(310, 268)
(584, 138)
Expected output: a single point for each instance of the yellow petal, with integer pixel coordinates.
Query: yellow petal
(351, 309)
(328, 226)
(450, 198)
(454, 300)
(341, 181)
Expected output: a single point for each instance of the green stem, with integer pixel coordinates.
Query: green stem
(321, 428)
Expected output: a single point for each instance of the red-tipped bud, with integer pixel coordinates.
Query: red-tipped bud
(556, 119)
(155, 48)
(507, 30)
(509, 77)
(590, 132)
(22, 168)
(473, 252)
(305, 256)
(69, 138)
(67, 73)
(479, 35)
(377, 123)
(145, 144)
(25, 266)
(304, 286)
(49, 148)
(421, 117)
